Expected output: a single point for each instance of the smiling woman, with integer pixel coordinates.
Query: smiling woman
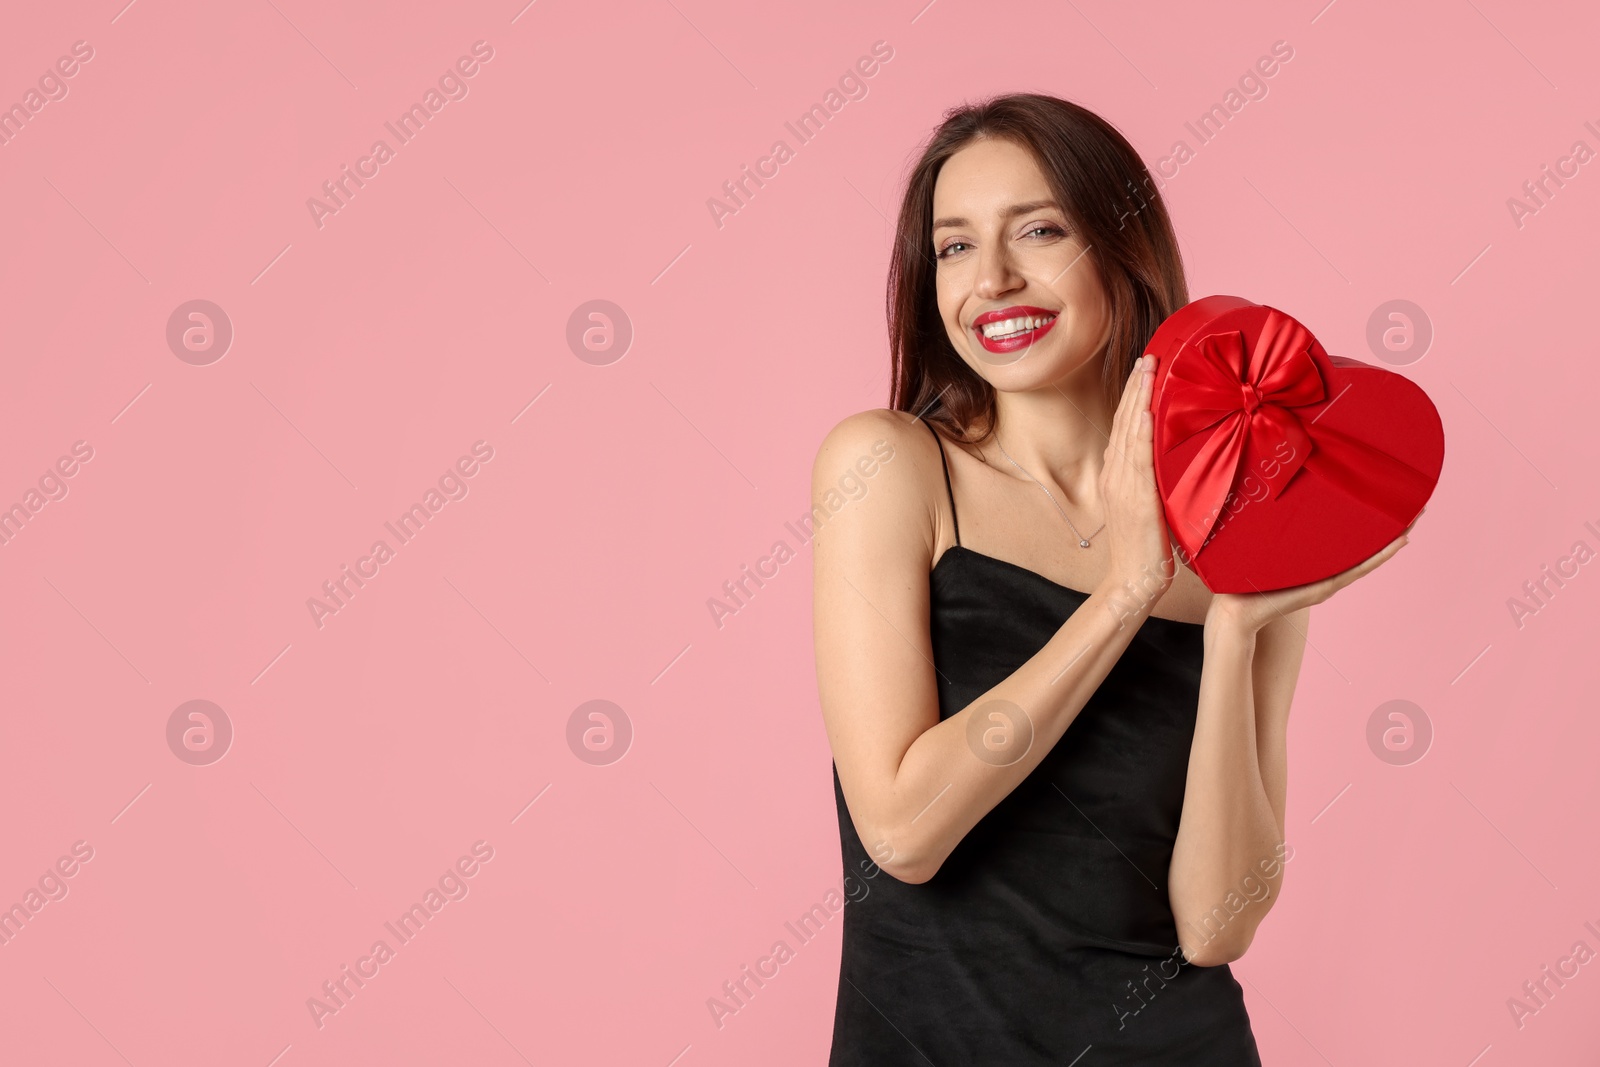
(1062, 748)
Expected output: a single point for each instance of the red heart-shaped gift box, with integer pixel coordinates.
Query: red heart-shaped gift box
(1277, 463)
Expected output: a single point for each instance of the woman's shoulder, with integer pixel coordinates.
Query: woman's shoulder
(856, 454)
(876, 431)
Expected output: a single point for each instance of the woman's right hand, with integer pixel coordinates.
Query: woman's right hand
(1136, 525)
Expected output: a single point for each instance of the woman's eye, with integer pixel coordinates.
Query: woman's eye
(1049, 230)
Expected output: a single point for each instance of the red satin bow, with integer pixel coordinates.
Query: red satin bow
(1244, 398)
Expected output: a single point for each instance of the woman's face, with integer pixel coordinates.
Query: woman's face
(1020, 298)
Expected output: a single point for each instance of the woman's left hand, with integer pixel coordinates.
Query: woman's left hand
(1249, 612)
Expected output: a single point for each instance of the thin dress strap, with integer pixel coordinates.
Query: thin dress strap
(955, 524)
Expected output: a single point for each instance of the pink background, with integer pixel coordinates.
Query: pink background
(372, 352)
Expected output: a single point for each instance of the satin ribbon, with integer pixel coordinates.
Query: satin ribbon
(1245, 400)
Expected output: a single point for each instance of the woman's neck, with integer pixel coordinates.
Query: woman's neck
(1057, 434)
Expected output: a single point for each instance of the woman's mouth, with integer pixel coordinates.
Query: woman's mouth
(1012, 328)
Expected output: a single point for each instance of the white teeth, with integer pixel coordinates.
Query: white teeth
(997, 330)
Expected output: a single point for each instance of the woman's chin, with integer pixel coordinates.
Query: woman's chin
(1035, 370)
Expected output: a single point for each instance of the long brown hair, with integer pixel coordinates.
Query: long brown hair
(1110, 198)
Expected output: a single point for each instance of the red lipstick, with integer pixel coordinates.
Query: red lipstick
(1022, 338)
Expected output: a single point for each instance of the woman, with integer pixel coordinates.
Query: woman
(1066, 753)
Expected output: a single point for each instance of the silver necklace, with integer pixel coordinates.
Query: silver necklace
(1083, 542)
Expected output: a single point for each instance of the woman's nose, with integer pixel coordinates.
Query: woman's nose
(996, 273)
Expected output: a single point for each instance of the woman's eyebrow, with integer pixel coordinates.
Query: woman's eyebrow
(1013, 210)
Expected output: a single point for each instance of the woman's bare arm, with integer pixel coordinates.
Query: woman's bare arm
(1227, 860)
(915, 785)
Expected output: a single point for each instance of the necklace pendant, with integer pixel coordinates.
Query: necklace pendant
(1083, 544)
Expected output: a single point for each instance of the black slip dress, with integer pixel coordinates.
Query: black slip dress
(1047, 936)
